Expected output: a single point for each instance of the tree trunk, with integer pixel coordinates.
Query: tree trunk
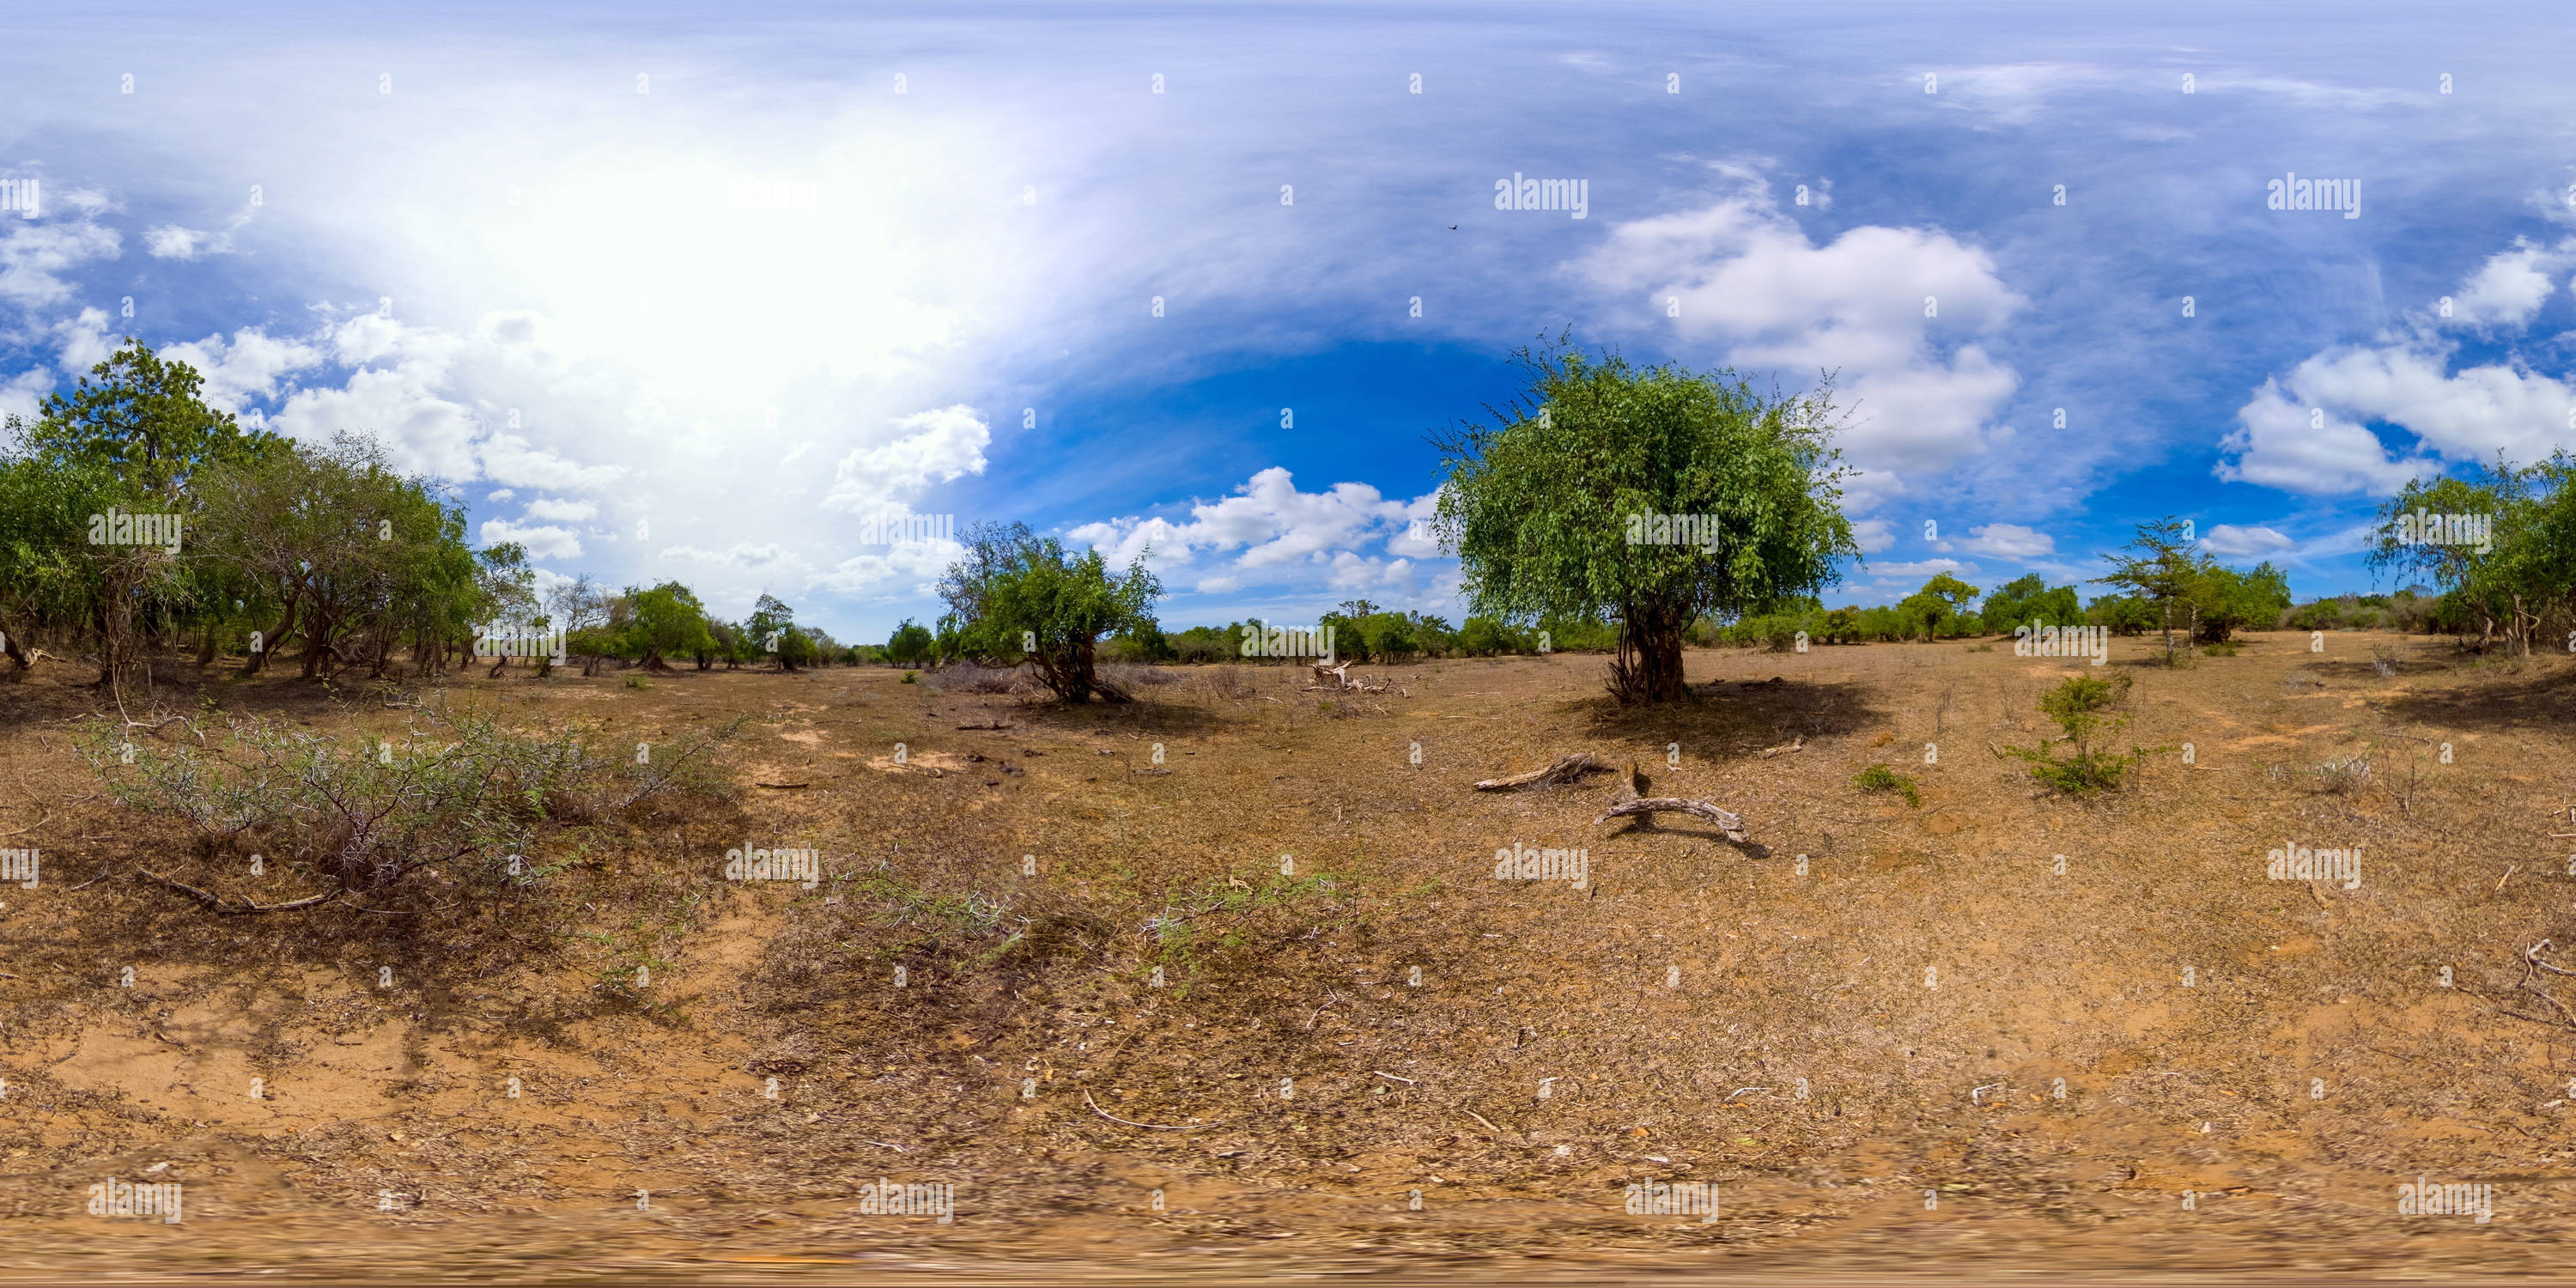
(1649, 667)
(269, 642)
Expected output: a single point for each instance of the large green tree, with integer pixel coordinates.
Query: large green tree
(1019, 597)
(1553, 507)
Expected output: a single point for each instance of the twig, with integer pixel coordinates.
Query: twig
(215, 902)
(1394, 1077)
(1481, 1118)
(102, 876)
(1330, 997)
(2508, 876)
(1095, 1108)
(782, 786)
(48, 818)
(1565, 770)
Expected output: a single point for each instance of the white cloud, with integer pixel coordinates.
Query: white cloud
(928, 447)
(2010, 541)
(2297, 448)
(547, 507)
(2510, 287)
(252, 365)
(2307, 431)
(1920, 388)
(169, 241)
(1219, 585)
(1873, 535)
(2239, 542)
(33, 256)
(543, 542)
(1922, 568)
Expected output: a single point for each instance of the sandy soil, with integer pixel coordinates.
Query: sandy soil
(1856, 1026)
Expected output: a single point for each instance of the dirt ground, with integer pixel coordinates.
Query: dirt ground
(1857, 1026)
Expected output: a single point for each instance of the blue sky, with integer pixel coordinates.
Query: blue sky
(691, 291)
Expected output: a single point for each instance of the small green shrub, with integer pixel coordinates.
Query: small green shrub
(2224, 648)
(1880, 778)
(637, 682)
(908, 677)
(2080, 706)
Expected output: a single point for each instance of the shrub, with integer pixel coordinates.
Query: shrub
(2079, 706)
(910, 676)
(1880, 778)
(461, 786)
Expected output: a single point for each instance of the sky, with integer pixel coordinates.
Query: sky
(712, 292)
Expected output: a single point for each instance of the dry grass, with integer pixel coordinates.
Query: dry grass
(1287, 872)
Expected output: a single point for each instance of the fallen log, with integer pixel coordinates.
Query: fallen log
(1726, 822)
(1629, 804)
(1566, 769)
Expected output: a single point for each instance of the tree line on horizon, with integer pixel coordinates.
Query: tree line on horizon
(329, 554)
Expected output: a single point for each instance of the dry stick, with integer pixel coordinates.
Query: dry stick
(1395, 1077)
(48, 818)
(1565, 770)
(1095, 1108)
(215, 902)
(102, 876)
(1481, 1119)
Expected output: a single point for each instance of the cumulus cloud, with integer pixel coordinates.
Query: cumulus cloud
(2308, 431)
(1269, 525)
(543, 542)
(2010, 541)
(547, 507)
(928, 447)
(1897, 311)
(34, 257)
(2236, 542)
(251, 365)
(2511, 286)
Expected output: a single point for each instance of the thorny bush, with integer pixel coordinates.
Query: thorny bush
(459, 785)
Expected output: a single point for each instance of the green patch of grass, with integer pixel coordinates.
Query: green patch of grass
(1880, 778)
(909, 677)
(2223, 648)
